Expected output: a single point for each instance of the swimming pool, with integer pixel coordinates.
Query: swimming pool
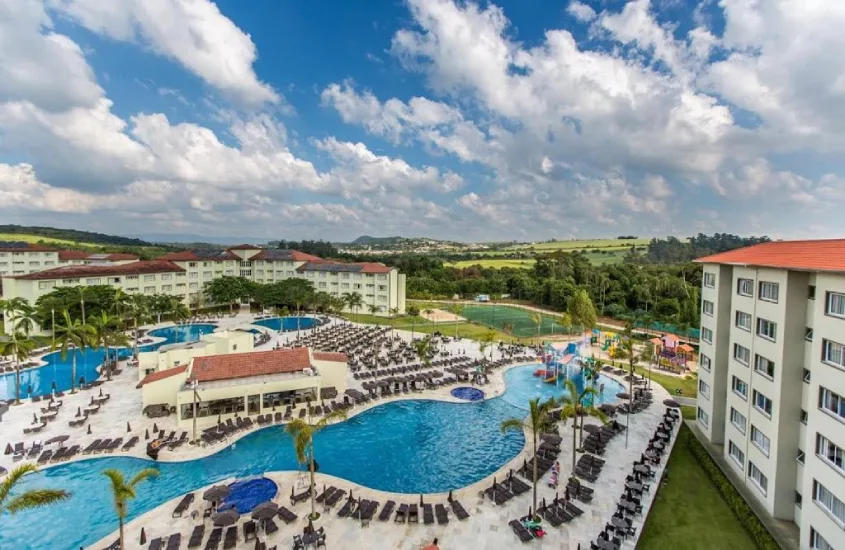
(59, 370)
(434, 446)
(283, 324)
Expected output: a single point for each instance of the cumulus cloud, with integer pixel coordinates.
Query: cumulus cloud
(580, 11)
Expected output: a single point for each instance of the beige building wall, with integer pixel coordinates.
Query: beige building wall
(163, 391)
(216, 343)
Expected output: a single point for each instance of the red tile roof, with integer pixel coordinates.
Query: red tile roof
(117, 257)
(341, 267)
(193, 255)
(821, 255)
(73, 255)
(330, 356)
(285, 255)
(245, 247)
(134, 268)
(161, 375)
(243, 365)
(15, 246)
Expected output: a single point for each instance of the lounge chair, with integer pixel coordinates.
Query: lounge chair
(214, 540)
(286, 515)
(90, 448)
(301, 497)
(325, 494)
(231, 538)
(270, 526)
(347, 509)
(428, 514)
(174, 541)
(156, 544)
(413, 514)
(386, 510)
(520, 530)
(131, 443)
(401, 513)
(334, 498)
(102, 446)
(249, 530)
(459, 510)
(115, 443)
(183, 505)
(196, 537)
(45, 456)
(368, 512)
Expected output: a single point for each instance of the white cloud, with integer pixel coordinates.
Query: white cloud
(580, 11)
(192, 32)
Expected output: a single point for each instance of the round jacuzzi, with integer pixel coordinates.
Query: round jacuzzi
(246, 494)
(468, 394)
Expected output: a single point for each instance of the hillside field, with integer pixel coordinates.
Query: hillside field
(607, 244)
(22, 237)
(596, 258)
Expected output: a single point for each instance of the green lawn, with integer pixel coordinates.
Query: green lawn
(581, 244)
(473, 331)
(689, 512)
(688, 384)
(496, 263)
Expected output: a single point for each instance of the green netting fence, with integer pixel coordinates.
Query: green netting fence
(516, 321)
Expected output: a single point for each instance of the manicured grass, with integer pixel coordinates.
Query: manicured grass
(496, 263)
(23, 237)
(689, 512)
(688, 384)
(688, 412)
(473, 331)
(581, 244)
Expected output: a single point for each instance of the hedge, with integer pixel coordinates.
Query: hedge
(746, 516)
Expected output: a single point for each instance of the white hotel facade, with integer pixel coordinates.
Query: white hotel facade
(772, 378)
(185, 273)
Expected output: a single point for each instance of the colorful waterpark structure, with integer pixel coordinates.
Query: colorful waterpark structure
(668, 348)
(559, 360)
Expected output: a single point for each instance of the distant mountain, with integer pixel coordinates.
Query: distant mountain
(366, 240)
(87, 237)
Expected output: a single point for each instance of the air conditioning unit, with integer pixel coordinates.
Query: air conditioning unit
(308, 371)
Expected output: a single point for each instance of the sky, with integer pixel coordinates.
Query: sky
(453, 119)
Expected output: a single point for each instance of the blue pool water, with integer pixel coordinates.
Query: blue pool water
(282, 324)
(59, 370)
(416, 446)
(247, 494)
(467, 393)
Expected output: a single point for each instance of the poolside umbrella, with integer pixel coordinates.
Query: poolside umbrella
(34, 418)
(146, 434)
(89, 429)
(58, 439)
(623, 395)
(216, 493)
(78, 412)
(9, 449)
(553, 439)
(222, 519)
(421, 500)
(101, 391)
(265, 510)
(591, 428)
(143, 536)
(607, 408)
(257, 544)
(128, 428)
(155, 427)
(671, 403)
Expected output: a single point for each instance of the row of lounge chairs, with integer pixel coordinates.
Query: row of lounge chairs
(109, 445)
(61, 454)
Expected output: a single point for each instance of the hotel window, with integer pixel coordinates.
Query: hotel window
(768, 291)
(48, 264)
(738, 420)
(743, 320)
(831, 402)
(811, 292)
(46, 284)
(192, 264)
(808, 334)
(149, 289)
(166, 288)
(830, 452)
(704, 389)
(289, 273)
(707, 335)
(34, 264)
(763, 403)
(742, 354)
(344, 285)
(703, 417)
(835, 304)
(704, 362)
(206, 264)
(309, 274)
(766, 329)
(806, 376)
(193, 286)
(803, 417)
(194, 275)
(323, 274)
(382, 288)
(828, 502)
(764, 366)
(381, 277)
(323, 285)
(707, 307)
(739, 387)
(755, 475)
(710, 280)
(833, 354)
(801, 457)
(230, 272)
(180, 285)
(760, 440)
(382, 298)
(260, 273)
(356, 286)
(149, 277)
(95, 281)
(344, 275)
(817, 542)
(70, 281)
(166, 276)
(736, 454)
(356, 276)
(207, 274)
(131, 277)
(745, 287)
(133, 289)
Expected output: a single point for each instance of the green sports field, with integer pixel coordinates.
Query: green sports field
(516, 321)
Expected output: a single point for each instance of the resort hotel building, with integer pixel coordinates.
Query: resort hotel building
(771, 389)
(30, 271)
(221, 377)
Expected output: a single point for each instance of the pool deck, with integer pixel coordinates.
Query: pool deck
(486, 526)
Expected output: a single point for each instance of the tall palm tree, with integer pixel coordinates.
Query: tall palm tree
(103, 326)
(303, 433)
(73, 333)
(81, 292)
(19, 347)
(579, 405)
(34, 498)
(139, 314)
(537, 319)
(538, 422)
(120, 301)
(422, 348)
(123, 492)
(394, 311)
(414, 312)
(486, 342)
(626, 350)
(353, 300)
(428, 311)
(373, 309)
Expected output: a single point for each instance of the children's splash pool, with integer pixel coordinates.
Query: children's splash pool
(467, 393)
(244, 495)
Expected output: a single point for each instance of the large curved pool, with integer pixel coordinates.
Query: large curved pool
(286, 324)
(414, 446)
(58, 370)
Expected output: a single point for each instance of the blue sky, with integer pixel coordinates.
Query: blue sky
(516, 119)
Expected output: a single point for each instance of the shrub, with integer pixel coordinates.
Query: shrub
(746, 516)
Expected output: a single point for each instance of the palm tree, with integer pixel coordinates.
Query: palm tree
(422, 347)
(373, 309)
(486, 341)
(578, 404)
(353, 300)
(103, 326)
(34, 498)
(303, 444)
(123, 492)
(394, 311)
(428, 311)
(414, 312)
(538, 421)
(73, 333)
(81, 291)
(537, 319)
(626, 350)
(139, 313)
(19, 347)
(120, 301)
